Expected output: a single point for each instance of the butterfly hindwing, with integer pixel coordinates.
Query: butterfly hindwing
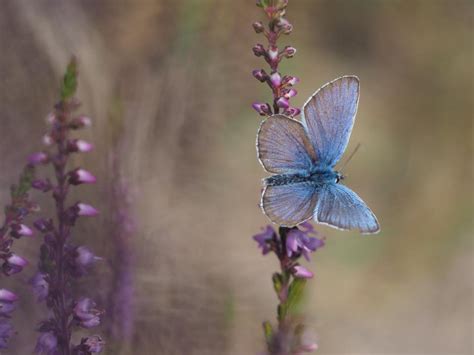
(328, 117)
(289, 205)
(283, 146)
(340, 207)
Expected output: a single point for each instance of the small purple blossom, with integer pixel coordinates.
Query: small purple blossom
(47, 344)
(86, 210)
(84, 258)
(43, 185)
(38, 158)
(302, 272)
(80, 145)
(93, 344)
(80, 122)
(260, 75)
(275, 79)
(283, 103)
(6, 331)
(264, 239)
(40, 286)
(18, 230)
(299, 241)
(7, 302)
(263, 109)
(86, 314)
(43, 225)
(81, 176)
(14, 264)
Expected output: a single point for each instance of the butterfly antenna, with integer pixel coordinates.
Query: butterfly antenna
(350, 157)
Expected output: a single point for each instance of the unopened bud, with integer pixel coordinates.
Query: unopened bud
(258, 27)
(263, 109)
(258, 50)
(260, 75)
(81, 176)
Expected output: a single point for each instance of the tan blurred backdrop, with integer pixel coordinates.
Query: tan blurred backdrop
(179, 71)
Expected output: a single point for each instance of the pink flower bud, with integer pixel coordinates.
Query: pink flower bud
(292, 111)
(258, 50)
(290, 93)
(7, 296)
(290, 80)
(81, 176)
(262, 108)
(80, 145)
(283, 103)
(260, 75)
(14, 264)
(80, 122)
(86, 210)
(289, 52)
(85, 257)
(41, 185)
(275, 79)
(38, 158)
(284, 26)
(20, 230)
(258, 27)
(302, 272)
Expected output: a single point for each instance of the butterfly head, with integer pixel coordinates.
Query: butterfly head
(339, 177)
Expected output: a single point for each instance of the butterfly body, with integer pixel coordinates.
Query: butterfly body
(316, 177)
(302, 155)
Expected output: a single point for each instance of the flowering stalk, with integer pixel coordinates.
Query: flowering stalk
(281, 86)
(289, 244)
(13, 227)
(60, 261)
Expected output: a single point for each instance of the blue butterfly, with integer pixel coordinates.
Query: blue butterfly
(302, 155)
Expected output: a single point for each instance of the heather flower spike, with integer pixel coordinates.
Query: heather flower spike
(288, 244)
(61, 263)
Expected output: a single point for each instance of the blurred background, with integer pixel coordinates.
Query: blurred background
(168, 84)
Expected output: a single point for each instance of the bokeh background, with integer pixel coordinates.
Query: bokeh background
(168, 85)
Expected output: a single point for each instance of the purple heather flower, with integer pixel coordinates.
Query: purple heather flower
(258, 27)
(6, 331)
(86, 313)
(85, 258)
(292, 111)
(86, 210)
(81, 176)
(288, 52)
(80, 122)
(283, 103)
(20, 230)
(302, 272)
(41, 185)
(298, 241)
(262, 108)
(47, 140)
(80, 145)
(260, 75)
(40, 286)
(47, 344)
(7, 296)
(43, 225)
(93, 344)
(14, 264)
(38, 158)
(7, 302)
(258, 50)
(263, 239)
(284, 25)
(290, 80)
(290, 93)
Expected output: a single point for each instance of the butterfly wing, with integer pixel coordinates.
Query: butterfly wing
(283, 146)
(340, 207)
(290, 204)
(328, 117)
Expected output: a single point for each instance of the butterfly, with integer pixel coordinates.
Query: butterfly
(302, 156)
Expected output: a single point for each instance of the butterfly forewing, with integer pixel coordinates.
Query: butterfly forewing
(283, 146)
(328, 117)
(340, 207)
